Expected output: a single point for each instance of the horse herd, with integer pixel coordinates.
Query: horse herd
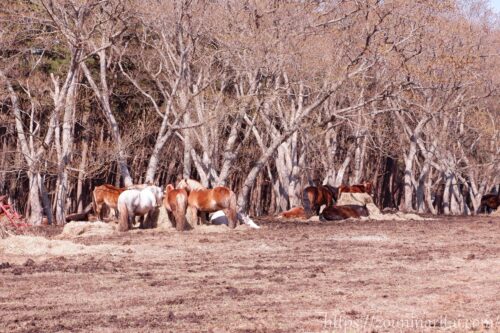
(183, 202)
(189, 198)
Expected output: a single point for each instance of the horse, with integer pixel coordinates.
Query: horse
(313, 197)
(365, 187)
(108, 195)
(489, 202)
(208, 200)
(335, 213)
(175, 201)
(137, 202)
(294, 213)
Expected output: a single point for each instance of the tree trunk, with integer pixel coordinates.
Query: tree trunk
(36, 210)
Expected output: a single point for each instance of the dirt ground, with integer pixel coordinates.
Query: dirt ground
(352, 276)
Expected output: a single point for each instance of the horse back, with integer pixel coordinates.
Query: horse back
(107, 194)
(210, 199)
(333, 213)
(176, 199)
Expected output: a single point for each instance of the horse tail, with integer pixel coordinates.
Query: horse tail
(306, 201)
(123, 213)
(180, 210)
(231, 210)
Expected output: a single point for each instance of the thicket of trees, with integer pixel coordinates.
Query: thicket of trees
(262, 96)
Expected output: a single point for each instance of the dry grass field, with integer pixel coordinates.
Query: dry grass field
(352, 276)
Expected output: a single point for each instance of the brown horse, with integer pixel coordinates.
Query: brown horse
(313, 197)
(365, 187)
(294, 213)
(175, 201)
(108, 195)
(489, 202)
(208, 200)
(335, 213)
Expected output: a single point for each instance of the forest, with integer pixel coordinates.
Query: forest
(265, 97)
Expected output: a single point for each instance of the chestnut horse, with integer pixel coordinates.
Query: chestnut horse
(335, 213)
(208, 201)
(108, 194)
(105, 194)
(365, 187)
(313, 197)
(175, 201)
(137, 202)
(294, 213)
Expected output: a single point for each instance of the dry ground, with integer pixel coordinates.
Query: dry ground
(367, 276)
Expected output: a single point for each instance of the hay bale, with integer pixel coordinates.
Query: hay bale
(39, 246)
(163, 221)
(373, 211)
(86, 229)
(36, 246)
(360, 199)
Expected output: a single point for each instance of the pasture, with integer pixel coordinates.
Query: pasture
(369, 276)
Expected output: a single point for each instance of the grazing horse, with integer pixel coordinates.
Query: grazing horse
(489, 202)
(108, 195)
(365, 187)
(208, 200)
(313, 197)
(175, 201)
(137, 202)
(334, 213)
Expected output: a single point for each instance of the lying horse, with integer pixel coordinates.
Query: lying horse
(175, 201)
(335, 213)
(294, 213)
(105, 194)
(489, 202)
(313, 197)
(137, 202)
(365, 187)
(208, 201)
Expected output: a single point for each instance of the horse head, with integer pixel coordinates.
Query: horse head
(157, 192)
(168, 188)
(183, 184)
(190, 185)
(368, 187)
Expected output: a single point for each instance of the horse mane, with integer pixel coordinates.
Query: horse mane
(190, 184)
(333, 190)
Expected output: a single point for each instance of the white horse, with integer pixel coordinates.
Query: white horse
(137, 202)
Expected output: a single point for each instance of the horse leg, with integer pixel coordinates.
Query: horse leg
(172, 218)
(141, 222)
(192, 216)
(203, 217)
(180, 219)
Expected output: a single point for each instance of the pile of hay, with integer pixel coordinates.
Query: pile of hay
(87, 229)
(375, 213)
(39, 246)
(163, 222)
(496, 213)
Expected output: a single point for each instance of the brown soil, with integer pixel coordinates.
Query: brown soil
(361, 276)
